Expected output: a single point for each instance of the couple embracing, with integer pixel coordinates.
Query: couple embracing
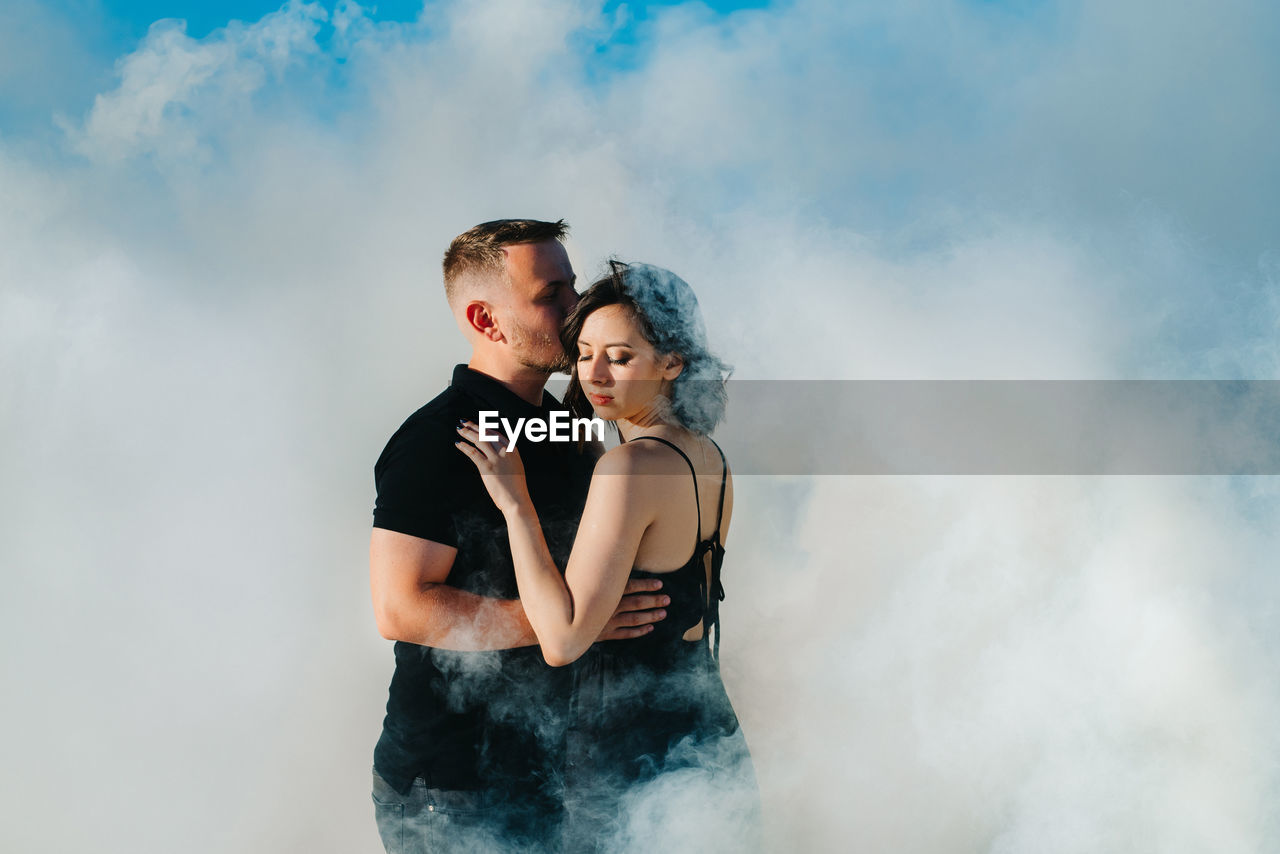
(557, 685)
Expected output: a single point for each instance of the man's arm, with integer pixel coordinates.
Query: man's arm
(412, 602)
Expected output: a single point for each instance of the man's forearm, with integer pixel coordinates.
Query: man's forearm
(445, 617)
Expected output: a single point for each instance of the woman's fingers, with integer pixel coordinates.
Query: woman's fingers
(492, 459)
(500, 444)
(475, 455)
(488, 450)
(501, 472)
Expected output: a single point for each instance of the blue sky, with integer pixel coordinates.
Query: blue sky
(78, 42)
(1031, 105)
(201, 17)
(1106, 122)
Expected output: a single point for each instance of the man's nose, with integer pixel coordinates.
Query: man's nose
(568, 299)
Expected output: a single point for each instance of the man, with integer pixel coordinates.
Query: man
(474, 719)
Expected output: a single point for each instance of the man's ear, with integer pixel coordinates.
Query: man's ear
(673, 367)
(480, 317)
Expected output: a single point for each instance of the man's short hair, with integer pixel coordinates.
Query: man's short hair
(478, 250)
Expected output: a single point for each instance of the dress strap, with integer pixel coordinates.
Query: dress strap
(724, 477)
(717, 559)
(697, 535)
(711, 596)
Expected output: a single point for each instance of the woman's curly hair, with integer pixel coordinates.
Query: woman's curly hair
(668, 316)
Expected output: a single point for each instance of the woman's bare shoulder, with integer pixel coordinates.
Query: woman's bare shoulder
(640, 458)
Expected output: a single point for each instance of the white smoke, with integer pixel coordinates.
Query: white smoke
(1013, 664)
(218, 296)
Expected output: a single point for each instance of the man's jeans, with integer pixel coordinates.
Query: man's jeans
(426, 821)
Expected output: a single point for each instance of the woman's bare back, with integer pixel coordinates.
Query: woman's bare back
(673, 536)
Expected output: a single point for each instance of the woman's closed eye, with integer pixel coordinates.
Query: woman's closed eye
(621, 360)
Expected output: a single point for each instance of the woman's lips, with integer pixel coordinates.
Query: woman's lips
(600, 399)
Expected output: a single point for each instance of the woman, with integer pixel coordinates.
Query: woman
(654, 746)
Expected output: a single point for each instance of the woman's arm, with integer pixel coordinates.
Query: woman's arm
(567, 612)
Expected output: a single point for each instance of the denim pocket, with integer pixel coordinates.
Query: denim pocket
(390, 820)
(439, 820)
(388, 812)
(460, 803)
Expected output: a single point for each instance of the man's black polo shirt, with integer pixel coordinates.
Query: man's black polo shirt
(472, 720)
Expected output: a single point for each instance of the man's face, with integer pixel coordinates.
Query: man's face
(540, 297)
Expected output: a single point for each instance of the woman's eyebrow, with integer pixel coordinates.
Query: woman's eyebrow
(586, 343)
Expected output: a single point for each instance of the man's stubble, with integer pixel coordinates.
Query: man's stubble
(537, 350)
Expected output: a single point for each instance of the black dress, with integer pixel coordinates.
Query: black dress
(651, 727)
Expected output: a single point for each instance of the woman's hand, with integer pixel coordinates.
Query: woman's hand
(501, 470)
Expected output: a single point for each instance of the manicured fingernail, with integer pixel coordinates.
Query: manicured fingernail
(666, 600)
(462, 422)
(662, 613)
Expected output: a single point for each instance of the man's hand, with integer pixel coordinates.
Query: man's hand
(639, 609)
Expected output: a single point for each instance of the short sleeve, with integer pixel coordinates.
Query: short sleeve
(417, 477)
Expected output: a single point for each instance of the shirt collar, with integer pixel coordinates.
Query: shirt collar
(488, 390)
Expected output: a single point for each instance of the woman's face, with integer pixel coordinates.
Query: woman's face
(619, 371)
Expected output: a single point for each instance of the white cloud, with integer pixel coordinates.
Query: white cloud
(174, 88)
